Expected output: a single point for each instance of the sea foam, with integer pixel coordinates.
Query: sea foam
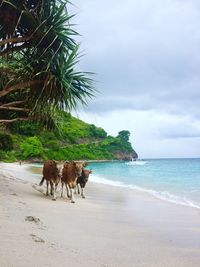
(140, 163)
(162, 195)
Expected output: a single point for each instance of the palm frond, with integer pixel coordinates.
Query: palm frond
(47, 52)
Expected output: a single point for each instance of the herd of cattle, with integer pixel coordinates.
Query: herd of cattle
(71, 174)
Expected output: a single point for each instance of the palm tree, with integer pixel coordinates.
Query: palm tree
(39, 56)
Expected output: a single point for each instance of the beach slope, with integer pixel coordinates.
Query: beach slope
(112, 227)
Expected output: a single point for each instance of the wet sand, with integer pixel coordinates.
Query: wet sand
(112, 227)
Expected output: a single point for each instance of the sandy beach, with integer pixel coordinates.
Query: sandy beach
(112, 227)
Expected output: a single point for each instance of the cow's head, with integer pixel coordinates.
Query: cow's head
(58, 179)
(58, 176)
(85, 164)
(78, 167)
(86, 174)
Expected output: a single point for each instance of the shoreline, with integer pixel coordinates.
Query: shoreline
(84, 160)
(160, 195)
(112, 227)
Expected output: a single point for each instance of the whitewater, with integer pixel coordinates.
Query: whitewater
(173, 180)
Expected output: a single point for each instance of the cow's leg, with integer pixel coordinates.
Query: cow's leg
(51, 184)
(47, 192)
(72, 195)
(68, 190)
(56, 186)
(82, 192)
(62, 184)
(57, 182)
(78, 189)
(53, 189)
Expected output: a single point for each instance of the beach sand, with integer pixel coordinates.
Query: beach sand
(112, 227)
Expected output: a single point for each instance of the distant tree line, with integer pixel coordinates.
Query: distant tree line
(76, 140)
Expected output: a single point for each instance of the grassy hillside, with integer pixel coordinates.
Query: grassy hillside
(75, 140)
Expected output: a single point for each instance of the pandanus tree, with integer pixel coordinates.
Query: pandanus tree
(38, 61)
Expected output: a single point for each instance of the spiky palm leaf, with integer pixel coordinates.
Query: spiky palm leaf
(40, 41)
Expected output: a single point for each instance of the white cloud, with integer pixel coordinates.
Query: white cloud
(147, 60)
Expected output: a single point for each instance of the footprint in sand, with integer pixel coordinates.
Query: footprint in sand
(37, 238)
(32, 219)
(13, 194)
(36, 220)
(21, 202)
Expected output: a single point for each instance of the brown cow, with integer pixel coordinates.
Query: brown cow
(70, 173)
(51, 175)
(82, 180)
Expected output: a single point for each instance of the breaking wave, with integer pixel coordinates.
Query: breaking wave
(136, 163)
(163, 195)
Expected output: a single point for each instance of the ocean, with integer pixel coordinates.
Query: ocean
(173, 180)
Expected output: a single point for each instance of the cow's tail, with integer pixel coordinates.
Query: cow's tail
(42, 181)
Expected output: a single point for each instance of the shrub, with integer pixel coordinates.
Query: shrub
(6, 142)
(25, 128)
(8, 156)
(53, 145)
(31, 147)
(97, 132)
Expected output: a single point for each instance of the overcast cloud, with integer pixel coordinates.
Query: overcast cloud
(147, 62)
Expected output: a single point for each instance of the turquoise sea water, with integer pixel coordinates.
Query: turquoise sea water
(173, 180)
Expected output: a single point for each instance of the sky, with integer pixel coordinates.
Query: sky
(146, 56)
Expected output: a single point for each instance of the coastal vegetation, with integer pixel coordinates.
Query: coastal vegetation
(39, 76)
(40, 84)
(74, 140)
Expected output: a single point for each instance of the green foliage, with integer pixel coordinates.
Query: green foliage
(6, 142)
(53, 145)
(39, 55)
(31, 147)
(76, 140)
(25, 128)
(74, 130)
(124, 135)
(97, 132)
(80, 152)
(8, 156)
